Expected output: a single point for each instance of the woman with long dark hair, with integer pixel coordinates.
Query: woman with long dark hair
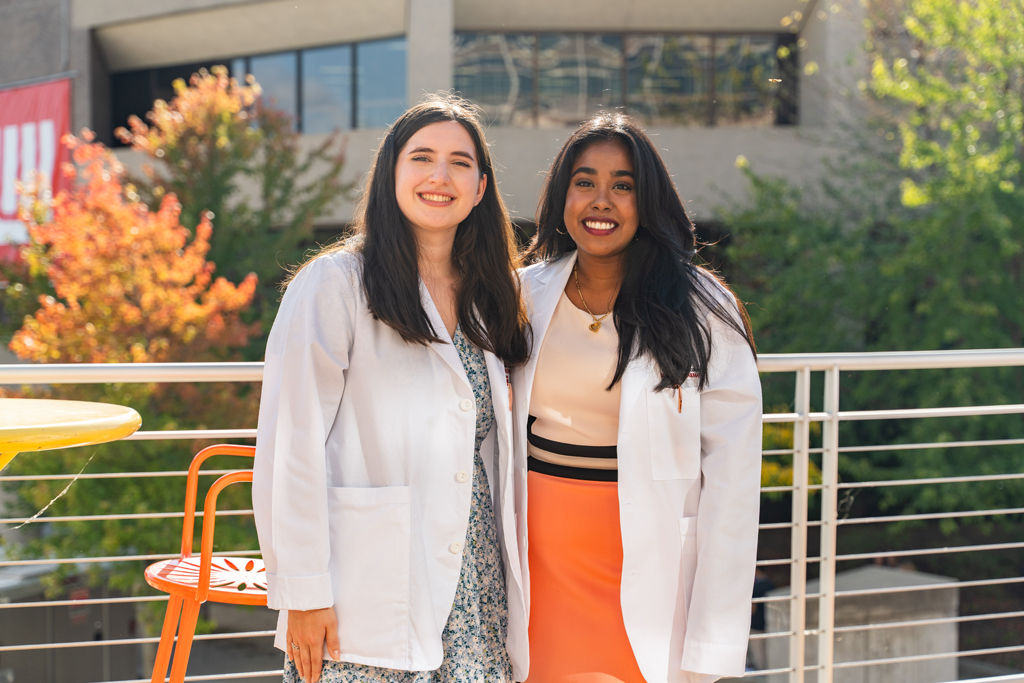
(383, 453)
(638, 421)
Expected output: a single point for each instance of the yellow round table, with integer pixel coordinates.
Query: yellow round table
(38, 424)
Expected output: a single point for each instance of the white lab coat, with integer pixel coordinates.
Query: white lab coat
(688, 498)
(360, 483)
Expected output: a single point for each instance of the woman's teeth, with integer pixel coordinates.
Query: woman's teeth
(436, 197)
(599, 225)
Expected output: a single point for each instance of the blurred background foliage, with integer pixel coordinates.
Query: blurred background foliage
(914, 240)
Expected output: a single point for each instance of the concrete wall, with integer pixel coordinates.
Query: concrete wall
(32, 39)
(878, 643)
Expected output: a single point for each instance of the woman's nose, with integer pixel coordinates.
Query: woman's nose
(439, 174)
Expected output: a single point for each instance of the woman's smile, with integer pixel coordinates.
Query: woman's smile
(599, 226)
(436, 198)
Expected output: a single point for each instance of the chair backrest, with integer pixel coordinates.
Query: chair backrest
(192, 485)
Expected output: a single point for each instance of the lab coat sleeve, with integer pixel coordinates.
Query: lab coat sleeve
(303, 380)
(718, 622)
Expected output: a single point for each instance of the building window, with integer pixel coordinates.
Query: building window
(360, 85)
(553, 79)
(495, 70)
(668, 79)
(380, 82)
(277, 76)
(327, 89)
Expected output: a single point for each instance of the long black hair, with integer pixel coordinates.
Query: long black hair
(490, 309)
(665, 303)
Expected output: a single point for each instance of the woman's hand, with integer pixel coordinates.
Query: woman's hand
(307, 631)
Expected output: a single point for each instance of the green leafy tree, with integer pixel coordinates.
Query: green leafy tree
(913, 243)
(221, 151)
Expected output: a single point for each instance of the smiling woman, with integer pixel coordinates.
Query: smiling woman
(638, 419)
(385, 420)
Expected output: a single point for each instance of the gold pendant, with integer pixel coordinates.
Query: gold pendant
(595, 326)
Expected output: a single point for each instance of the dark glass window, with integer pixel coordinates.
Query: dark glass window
(380, 82)
(277, 76)
(327, 89)
(553, 79)
(747, 78)
(496, 71)
(668, 79)
(133, 92)
(577, 75)
(322, 89)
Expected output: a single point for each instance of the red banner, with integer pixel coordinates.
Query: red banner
(33, 119)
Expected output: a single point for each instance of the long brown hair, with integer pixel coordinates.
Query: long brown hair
(664, 303)
(490, 308)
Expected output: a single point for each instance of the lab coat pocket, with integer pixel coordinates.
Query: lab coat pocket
(370, 548)
(673, 421)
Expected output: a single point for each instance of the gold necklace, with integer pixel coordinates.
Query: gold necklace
(596, 325)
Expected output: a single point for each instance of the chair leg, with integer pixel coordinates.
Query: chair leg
(163, 652)
(186, 631)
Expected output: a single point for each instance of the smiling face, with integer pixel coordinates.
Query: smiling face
(600, 205)
(438, 179)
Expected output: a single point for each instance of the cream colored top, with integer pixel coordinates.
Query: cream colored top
(569, 397)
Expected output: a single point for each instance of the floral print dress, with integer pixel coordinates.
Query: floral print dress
(474, 636)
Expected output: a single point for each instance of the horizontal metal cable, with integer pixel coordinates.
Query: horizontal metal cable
(931, 551)
(127, 516)
(923, 413)
(927, 622)
(930, 587)
(931, 480)
(192, 434)
(218, 677)
(890, 360)
(773, 634)
(109, 475)
(775, 418)
(773, 563)
(925, 658)
(933, 444)
(129, 373)
(929, 515)
(78, 603)
(118, 558)
(766, 672)
(129, 641)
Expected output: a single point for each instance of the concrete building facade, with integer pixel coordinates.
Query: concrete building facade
(765, 79)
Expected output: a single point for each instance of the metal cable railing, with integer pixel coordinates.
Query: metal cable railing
(794, 665)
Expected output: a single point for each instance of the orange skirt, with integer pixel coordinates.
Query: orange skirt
(575, 547)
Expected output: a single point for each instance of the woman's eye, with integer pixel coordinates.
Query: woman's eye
(464, 164)
(584, 183)
(421, 158)
(624, 187)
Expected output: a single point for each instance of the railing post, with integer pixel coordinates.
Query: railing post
(798, 551)
(829, 520)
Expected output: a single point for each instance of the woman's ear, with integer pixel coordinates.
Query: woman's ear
(480, 189)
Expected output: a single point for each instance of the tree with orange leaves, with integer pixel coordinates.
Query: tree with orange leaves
(129, 285)
(222, 151)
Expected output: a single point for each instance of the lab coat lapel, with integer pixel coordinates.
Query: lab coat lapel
(446, 349)
(544, 298)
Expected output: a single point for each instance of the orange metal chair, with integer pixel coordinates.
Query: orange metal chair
(190, 583)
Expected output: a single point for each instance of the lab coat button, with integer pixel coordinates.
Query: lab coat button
(455, 548)
(462, 476)
(466, 405)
